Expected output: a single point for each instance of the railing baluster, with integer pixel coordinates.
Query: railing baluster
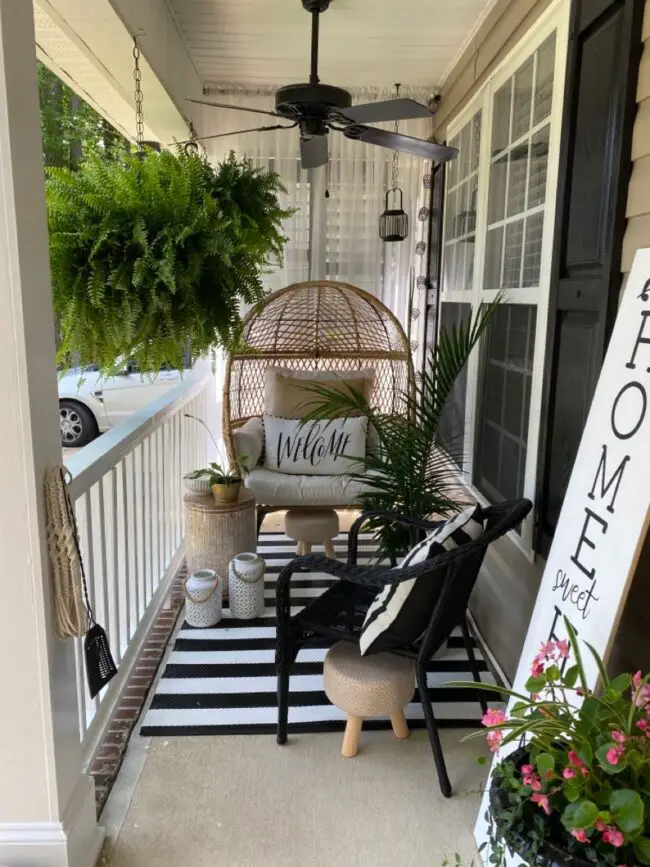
(82, 709)
(162, 507)
(136, 548)
(155, 479)
(106, 612)
(148, 543)
(128, 586)
(91, 573)
(115, 582)
(167, 498)
(142, 539)
(173, 529)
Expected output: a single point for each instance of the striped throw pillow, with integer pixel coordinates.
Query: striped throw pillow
(400, 613)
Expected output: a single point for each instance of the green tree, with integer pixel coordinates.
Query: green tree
(70, 128)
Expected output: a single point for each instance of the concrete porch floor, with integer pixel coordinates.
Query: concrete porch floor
(246, 802)
(243, 801)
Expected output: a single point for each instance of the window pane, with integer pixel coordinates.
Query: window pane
(503, 412)
(512, 254)
(450, 215)
(517, 181)
(544, 84)
(469, 262)
(533, 249)
(497, 198)
(538, 167)
(493, 258)
(452, 423)
(459, 270)
(461, 210)
(448, 265)
(463, 157)
(475, 141)
(501, 118)
(523, 100)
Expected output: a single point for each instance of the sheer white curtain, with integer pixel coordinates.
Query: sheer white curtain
(358, 177)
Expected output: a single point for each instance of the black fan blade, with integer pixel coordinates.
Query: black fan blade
(387, 110)
(234, 107)
(313, 151)
(236, 132)
(397, 142)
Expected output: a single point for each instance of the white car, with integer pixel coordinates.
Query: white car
(90, 404)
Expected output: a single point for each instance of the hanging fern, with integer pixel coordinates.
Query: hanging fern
(152, 254)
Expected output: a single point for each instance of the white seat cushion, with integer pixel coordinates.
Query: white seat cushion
(280, 489)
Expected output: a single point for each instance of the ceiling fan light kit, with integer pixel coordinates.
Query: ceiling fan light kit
(319, 108)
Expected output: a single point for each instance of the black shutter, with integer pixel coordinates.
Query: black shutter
(599, 111)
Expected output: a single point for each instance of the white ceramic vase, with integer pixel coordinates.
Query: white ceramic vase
(203, 598)
(246, 586)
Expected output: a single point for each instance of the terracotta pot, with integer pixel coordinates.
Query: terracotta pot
(226, 493)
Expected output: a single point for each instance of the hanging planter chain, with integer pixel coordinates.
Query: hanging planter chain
(394, 222)
(137, 78)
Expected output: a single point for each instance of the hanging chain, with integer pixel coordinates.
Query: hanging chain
(395, 167)
(137, 78)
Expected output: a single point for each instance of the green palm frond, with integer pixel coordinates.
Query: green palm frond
(410, 472)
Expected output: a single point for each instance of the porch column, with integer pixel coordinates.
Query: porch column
(47, 806)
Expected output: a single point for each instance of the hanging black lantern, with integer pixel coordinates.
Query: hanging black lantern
(394, 222)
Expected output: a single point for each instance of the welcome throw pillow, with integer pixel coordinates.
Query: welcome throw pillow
(400, 613)
(331, 447)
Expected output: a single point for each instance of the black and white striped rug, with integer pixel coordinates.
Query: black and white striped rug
(222, 680)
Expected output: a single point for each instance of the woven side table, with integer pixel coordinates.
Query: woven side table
(215, 532)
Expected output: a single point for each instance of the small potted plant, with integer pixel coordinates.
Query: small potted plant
(577, 789)
(224, 480)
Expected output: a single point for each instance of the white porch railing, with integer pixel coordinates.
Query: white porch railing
(128, 493)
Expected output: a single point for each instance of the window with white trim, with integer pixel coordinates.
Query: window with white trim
(497, 235)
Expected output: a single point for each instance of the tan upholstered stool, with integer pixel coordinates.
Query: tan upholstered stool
(308, 527)
(366, 686)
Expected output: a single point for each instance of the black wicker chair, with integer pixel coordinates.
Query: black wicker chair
(339, 612)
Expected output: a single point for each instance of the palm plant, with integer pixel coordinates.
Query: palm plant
(410, 472)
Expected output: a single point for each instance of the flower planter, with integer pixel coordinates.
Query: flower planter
(549, 854)
(226, 493)
(197, 486)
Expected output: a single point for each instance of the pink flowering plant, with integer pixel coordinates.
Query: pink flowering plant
(579, 784)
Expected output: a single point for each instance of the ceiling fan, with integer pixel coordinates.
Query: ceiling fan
(317, 108)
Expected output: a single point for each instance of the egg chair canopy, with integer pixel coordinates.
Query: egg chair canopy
(318, 325)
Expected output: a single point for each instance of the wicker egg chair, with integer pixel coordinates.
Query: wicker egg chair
(317, 325)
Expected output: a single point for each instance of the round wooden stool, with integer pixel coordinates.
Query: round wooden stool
(367, 686)
(312, 526)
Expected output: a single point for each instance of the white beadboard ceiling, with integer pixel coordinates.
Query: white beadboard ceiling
(363, 43)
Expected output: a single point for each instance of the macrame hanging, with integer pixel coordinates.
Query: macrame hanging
(394, 222)
(74, 613)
